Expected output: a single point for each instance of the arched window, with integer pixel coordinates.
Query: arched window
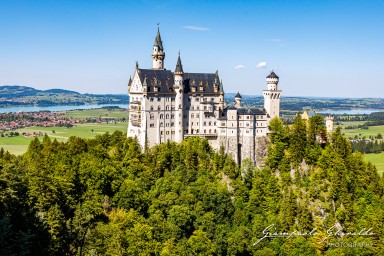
(161, 124)
(214, 123)
(161, 116)
(167, 116)
(210, 123)
(158, 108)
(151, 108)
(192, 115)
(151, 116)
(167, 107)
(205, 123)
(210, 131)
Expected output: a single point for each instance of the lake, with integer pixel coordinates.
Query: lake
(57, 108)
(350, 111)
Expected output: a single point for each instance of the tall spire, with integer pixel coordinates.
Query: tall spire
(158, 41)
(158, 54)
(179, 66)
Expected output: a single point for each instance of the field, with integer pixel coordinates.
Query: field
(19, 144)
(376, 159)
(372, 130)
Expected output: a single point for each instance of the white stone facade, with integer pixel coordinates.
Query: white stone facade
(170, 106)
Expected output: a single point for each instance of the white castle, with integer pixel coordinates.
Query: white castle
(170, 106)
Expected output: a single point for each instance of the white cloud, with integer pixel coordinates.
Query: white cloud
(196, 28)
(277, 40)
(240, 66)
(262, 64)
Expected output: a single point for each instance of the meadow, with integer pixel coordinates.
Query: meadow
(19, 144)
(376, 159)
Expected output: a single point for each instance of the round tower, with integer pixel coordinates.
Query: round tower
(158, 54)
(329, 123)
(238, 100)
(272, 96)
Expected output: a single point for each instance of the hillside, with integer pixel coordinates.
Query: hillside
(14, 95)
(104, 196)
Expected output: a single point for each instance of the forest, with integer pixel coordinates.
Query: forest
(104, 196)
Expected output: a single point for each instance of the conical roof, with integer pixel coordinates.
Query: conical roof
(158, 41)
(272, 75)
(238, 95)
(179, 66)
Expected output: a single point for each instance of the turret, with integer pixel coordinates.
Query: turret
(179, 89)
(158, 54)
(238, 100)
(272, 81)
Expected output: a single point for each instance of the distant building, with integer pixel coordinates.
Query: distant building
(170, 106)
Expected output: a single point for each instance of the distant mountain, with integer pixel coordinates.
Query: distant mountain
(15, 95)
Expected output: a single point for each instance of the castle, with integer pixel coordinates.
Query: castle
(170, 106)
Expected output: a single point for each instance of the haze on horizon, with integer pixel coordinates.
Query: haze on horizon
(318, 48)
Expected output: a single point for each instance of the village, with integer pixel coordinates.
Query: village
(11, 122)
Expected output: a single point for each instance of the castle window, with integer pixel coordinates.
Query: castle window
(151, 108)
(161, 132)
(158, 108)
(222, 124)
(210, 123)
(161, 116)
(172, 99)
(151, 116)
(247, 117)
(210, 131)
(205, 123)
(192, 108)
(167, 116)
(161, 124)
(205, 107)
(215, 130)
(158, 99)
(247, 124)
(197, 99)
(172, 124)
(167, 132)
(167, 124)
(152, 125)
(197, 131)
(167, 107)
(197, 115)
(151, 99)
(214, 123)
(205, 131)
(205, 99)
(212, 99)
(192, 115)
(172, 116)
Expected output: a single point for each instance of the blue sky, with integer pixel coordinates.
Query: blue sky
(318, 48)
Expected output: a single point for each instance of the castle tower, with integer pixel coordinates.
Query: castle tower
(179, 89)
(272, 96)
(329, 123)
(238, 100)
(158, 54)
